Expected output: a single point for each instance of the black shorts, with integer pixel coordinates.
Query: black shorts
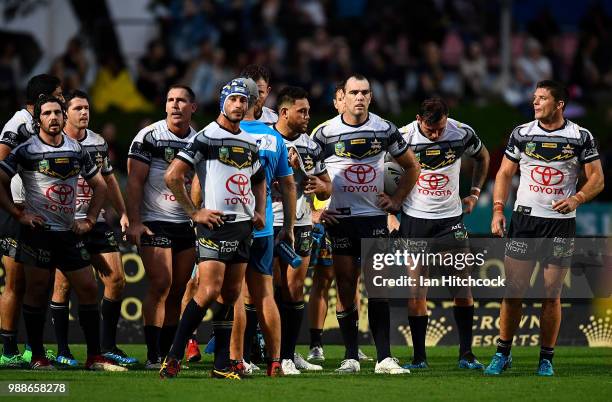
(446, 233)
(548, 240)
(101, 239)
(347, 234)
(64, 250)
(9, 233)
(229, 243)
(177, 236)
(302, 236)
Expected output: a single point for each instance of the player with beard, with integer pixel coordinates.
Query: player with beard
(15, 132)
(49, 165)
(433, 211)
(100, 242)
(233, 186)
(158, 224)
(355, 142)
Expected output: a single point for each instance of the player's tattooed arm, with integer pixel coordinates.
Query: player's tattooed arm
(479, 176)
(287, 188)
(175, 180)
(503, 179)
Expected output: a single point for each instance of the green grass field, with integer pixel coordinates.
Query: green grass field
(581, 374)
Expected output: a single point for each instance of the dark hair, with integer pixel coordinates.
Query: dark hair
(289, 94)
(43, 84)
(433, 109)
(357, 76)
(192, 96)
(256, 72)
(75, 93)
(558, 90)
(339, 87)
(43, 100)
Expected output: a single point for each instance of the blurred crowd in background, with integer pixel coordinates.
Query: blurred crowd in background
(410, 50)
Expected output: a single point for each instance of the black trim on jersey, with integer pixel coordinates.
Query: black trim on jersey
(7, 168)
(139, 158)
(89, 176)
(556, 129)
(512, 158)
(81, 139)
(51, 145)
(258, 176)
(178, 156)
(229, 131)
(353, 125)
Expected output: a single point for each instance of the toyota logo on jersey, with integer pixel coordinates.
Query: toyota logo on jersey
(546, 175)
(238, 184)
(360, 173)
(62, 194)
(432, 181)
(84, 189)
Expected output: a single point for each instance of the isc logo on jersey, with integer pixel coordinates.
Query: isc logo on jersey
(359, 177)
(546, 178)
(433, 184)
(61, 197)
(239, 186)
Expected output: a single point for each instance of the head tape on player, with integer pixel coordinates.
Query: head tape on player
(234, 87)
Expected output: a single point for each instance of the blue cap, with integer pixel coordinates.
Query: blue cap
(234, 87)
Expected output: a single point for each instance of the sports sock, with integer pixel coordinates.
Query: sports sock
(547, 353)
(249, 331)
(151, 333)
(166, 336)
(60, 317)
(316, 337)
(348, 321)
(191, 319)
(504, 347)
(34, 319)
(89, 318)
(380, 325)
(222, 320)
(9, 341)
(418, 328)
(290, 327)
(464, 317)
(111, 310)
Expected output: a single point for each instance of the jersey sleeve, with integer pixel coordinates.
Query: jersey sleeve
(282, 167)
(473, 144)
(513, 151)
(10, 164)
(88, 166)
(319, 165)
(142, 146)
(195, 150)
(396, 145)
(13, 137)
(106, 168)
(589, 151)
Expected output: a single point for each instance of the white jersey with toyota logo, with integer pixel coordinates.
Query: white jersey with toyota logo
(50, 175)
(157, 146)
(311, 155)
(550, 163)
(436, 192)
(225, 163)
(16, 131)
(354, 157)
(97, 148)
